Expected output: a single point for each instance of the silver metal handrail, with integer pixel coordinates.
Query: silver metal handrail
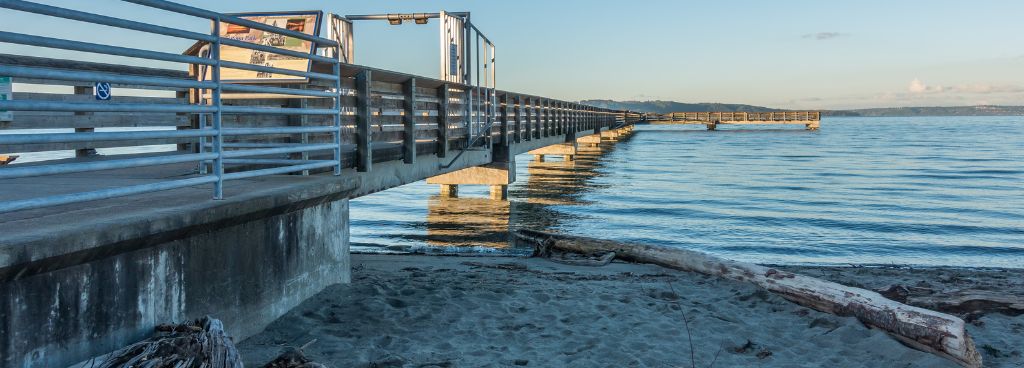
(213, 107)
(478, 113)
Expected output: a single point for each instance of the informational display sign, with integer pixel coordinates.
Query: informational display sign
(304, 22)
(6, 92)
(102, 91)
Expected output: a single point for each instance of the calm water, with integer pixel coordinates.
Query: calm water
(925, 191)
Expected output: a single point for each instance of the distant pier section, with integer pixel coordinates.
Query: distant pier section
(809, 119)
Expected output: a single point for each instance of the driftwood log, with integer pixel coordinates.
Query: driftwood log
(923, 329)
(199, 344)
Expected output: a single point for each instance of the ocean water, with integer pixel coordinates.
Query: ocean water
(920, 191)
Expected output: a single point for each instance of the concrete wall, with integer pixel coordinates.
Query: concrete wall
(246, 270)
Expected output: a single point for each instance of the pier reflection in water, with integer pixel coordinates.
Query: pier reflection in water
(474, 222)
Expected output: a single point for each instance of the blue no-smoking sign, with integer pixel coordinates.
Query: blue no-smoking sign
(102, 91)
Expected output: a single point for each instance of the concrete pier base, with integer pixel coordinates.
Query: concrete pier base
(814, 125)
(497, 175)
(108, 274)
(590, 140)
(610, 135)
(566, 150)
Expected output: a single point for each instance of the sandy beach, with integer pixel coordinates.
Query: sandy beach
(429, 311)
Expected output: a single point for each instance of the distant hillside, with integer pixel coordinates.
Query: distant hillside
(985, 110)
(662, 107)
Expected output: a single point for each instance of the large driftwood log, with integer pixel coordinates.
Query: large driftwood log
(199, 344)
(924, 329)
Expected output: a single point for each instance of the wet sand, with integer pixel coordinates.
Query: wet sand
(429, 311)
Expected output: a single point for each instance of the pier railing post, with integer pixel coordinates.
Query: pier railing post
(409, 122)
(86, 151)
(364, 152)
(580, 120)
(503, 130)
(467, 103)
(218, 140)
(528, 117)
(337, 109)
(490, 111)
(501, 150)
(566, 118)
(518, 137)
(570, 118)
(548, 118)
(559, 118)
(299, 120)
(443, 96)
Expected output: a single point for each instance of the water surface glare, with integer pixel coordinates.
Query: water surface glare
(923, 191)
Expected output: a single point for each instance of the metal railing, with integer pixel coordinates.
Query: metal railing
(213, 108)
(349, 118)
(780, 116)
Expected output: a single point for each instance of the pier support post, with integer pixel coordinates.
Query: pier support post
(499, 192)
(713, 125)
(538, 158)
(449, 190)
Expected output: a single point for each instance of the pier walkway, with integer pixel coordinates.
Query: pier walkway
(809, 119)
(182, 192)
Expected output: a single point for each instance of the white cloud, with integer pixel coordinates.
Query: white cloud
(821, 36)
(917, 86)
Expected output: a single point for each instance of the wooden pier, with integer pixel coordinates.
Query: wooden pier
(809, 119)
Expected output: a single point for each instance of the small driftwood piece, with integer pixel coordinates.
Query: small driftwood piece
(6, 159)
(971, 301)
(923, 329)
(199, 344)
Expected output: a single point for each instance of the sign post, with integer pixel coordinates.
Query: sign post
(6, 92)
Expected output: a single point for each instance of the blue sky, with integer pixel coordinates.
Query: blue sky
(789, 54)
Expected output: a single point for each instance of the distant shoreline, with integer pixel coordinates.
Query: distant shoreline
(664, 107)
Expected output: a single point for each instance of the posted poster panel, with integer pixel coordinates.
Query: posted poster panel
(304, 22)
(6, 91)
